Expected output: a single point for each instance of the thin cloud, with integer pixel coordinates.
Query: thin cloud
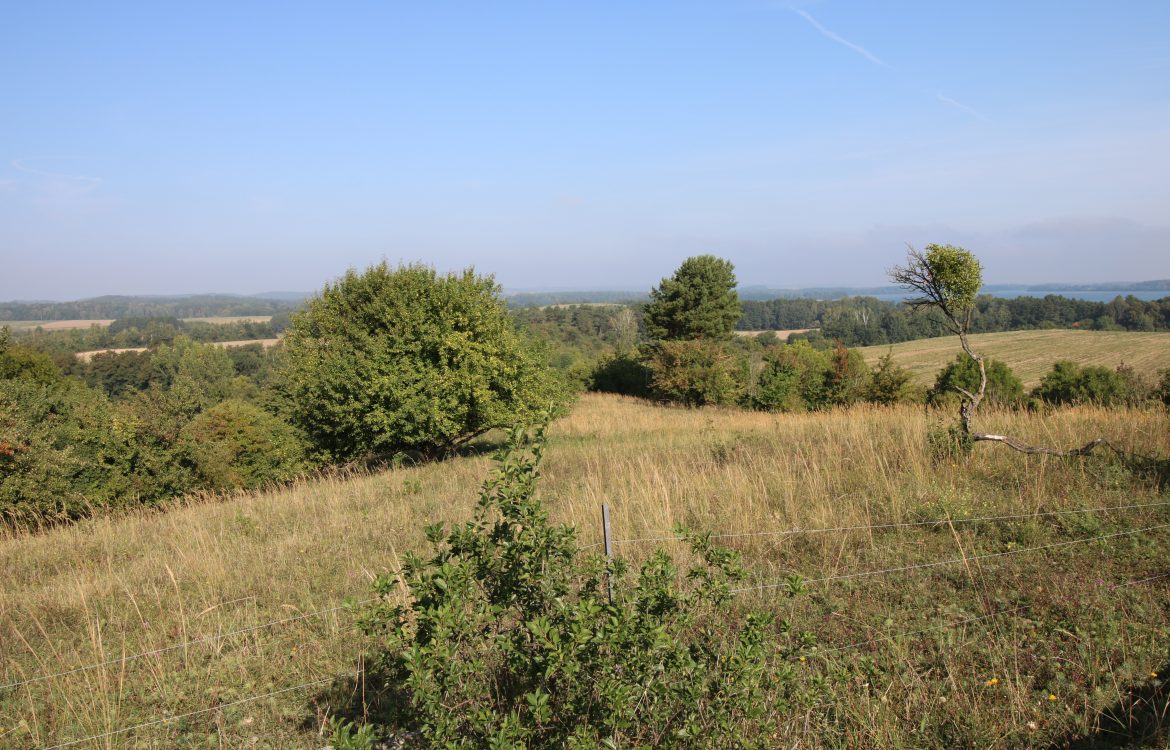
(840, 40)
(966, 108)
(21, 165)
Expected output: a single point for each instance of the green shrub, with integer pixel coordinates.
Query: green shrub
(1003, 387)
(26, 364)
(507, 638)
(1069, 383)
(237, 445)
(891, 383)
(405, 359)
(65, 455)
(693, 372)
(622, 373)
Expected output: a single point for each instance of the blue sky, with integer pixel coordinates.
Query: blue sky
(243, 147)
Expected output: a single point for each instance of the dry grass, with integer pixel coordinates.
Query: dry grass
(107, 588)
(1031, 354)
(781, 334)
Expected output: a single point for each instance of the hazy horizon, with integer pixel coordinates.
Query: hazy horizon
(157, 149)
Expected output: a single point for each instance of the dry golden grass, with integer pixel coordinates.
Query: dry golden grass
(54, 325)
(781, 334)
(1031, 354)
(107, 588)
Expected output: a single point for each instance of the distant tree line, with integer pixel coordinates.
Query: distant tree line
(866, 321)
(110, 307)
(149, 332)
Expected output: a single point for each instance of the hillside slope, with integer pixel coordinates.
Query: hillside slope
(242, 599)
(1030, 354)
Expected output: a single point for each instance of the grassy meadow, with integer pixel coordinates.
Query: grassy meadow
(1031, 354)
(1023, 649)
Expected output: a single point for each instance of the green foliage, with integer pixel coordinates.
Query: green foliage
(698, 302)
(119, 374)
(65, 455)
(507, 638)
(623, 373)
(1069, 383)
(957, 274)
(396, 359)
(1003, 387)
(235, 444)
(21, 362)
(891, 383)
(947, 443)
(201, 374)
(848, 377)
(1162, 389)
(693, 372)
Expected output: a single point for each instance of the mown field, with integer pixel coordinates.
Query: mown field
(1030, 354)
(69, 325)
(1017, 632)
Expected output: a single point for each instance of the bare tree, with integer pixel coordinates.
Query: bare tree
(947, 279)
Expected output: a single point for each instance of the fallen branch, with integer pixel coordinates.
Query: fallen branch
(1023, 447)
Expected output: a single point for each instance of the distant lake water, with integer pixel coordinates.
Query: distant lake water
(1092, 296)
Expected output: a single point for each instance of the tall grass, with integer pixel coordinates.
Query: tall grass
(108, 588)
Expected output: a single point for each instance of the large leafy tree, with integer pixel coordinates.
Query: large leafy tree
(698, 302)
(405, 359)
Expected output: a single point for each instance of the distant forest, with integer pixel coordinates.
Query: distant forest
(854, 321)
(114, 307)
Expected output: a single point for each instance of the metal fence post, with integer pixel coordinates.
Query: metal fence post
(608, 545)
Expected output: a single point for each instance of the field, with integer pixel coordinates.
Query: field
(1018, 631)
(224, 319)
(266, 343)
(1030, 354)
(54, 325)
(781, 334)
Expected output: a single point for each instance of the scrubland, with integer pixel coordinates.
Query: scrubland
(1041, 629)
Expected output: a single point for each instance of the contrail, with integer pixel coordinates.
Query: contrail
(839, 40)
(20, 164)
(959, 105)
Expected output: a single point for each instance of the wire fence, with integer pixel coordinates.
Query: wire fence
(185, 644)
(952, 561)
(669, 536)
(964, 559)
(814, 653)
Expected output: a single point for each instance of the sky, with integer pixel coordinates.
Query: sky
(163, 148)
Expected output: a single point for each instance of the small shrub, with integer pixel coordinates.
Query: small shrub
(693, 373)
(1003, 387)
(621, 373)
(236, 445)
(511, 624)
(946, 443)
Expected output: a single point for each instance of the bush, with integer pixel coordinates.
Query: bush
(693, 373)
(1003, 387)
(891, 383)
(236, 445)
(1069, 383)
(64, 456)
(622, 373)
(508, 623)
(403, 359)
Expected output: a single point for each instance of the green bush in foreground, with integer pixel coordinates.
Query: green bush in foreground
(508, 639)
